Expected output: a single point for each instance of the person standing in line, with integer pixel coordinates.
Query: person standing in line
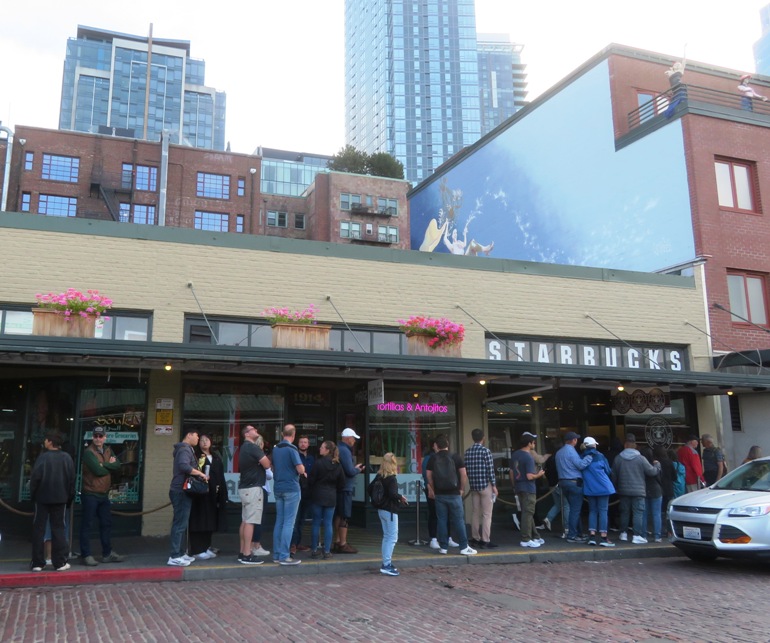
(252, 465)
(629, 472)
(653, 499)
(560, 505)
(447, 478)
(668, 476)
(570, 467)
(326, 480)
(598, 488)
(693, 469)
(431, 502)
(481, 476)
(185, 464)
(98, 464)
(256, 536)
(209, 511)
(303, 444)
(52, 489)
(287, 468)
(713, 460)
(344, 509)
(524, 475)
(389, 514)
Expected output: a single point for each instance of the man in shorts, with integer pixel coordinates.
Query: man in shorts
(345, 497)
(252, 464)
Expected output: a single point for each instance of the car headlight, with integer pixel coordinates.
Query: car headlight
(751, 511)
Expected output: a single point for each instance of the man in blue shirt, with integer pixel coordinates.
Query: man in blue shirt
(524, 475)
(344, 507)
(570, 468)
(287, 468)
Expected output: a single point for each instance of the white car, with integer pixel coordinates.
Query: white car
(730, 518)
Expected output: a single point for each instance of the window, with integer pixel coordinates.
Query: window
(748, 301)
(239, 223)
(387, 206)
(277, 219)
(299, 221)
(146, 178)
(26, 199)
(735, 185)
(387, 234)
(57, 206)
(144, 214)
(29, 159)
(60, 168)
(212, 221)
(347, 201)
(241, 186)
(125, 213)
(127, 176)
(213, 186)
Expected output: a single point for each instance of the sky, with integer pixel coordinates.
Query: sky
(281, 63)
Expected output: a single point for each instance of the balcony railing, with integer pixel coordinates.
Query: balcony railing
(682, 96)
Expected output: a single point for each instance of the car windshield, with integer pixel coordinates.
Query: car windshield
(754, 476)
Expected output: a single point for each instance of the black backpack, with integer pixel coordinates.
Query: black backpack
(377, 495)
(444, 473)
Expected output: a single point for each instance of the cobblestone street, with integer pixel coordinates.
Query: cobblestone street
(668, 599)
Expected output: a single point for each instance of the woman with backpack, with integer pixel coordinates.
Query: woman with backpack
(388, 505)
(325, 479)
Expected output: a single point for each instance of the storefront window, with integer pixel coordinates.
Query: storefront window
(222, 409)
(11, 425)
(404, 425)
(121, 411)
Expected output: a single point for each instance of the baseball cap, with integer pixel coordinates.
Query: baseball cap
(97, 428)
(571, 435)
(529, 436)
(590, 442)
(350, 433)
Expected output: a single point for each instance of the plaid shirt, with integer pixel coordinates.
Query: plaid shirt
(480, 467)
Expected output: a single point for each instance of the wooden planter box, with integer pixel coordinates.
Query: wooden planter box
(49, 322)
(418, 345)
(314, 337)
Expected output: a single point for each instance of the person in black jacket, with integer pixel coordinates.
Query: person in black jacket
(389, 512)
(325, 480)
(52, 488)
(667, 480)
(653, 498)
(209, 511)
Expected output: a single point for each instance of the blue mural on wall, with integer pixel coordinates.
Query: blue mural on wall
(551, 188)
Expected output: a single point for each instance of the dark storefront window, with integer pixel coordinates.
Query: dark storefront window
(12, 396)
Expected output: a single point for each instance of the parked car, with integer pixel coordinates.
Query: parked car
(730, 518)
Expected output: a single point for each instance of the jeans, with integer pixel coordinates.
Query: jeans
(323, 515)
(449, 510)
(573, 496)
(627, 505)
(652, 508)
(182, 503)
(597, 513)
(95, 507)
(286, 505)
(389, 522)
(558, 503)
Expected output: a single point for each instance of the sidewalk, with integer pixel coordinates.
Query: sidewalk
(147, 558)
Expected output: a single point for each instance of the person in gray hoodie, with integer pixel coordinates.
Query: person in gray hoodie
(629, 472)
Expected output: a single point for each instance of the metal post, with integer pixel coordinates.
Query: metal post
(417, 541)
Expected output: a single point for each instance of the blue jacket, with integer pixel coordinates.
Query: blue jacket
(348, 466)
(596, 476)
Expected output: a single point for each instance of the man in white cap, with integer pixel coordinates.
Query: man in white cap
(749, 94)
(344, 507)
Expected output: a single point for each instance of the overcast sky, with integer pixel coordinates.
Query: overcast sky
(281, 63)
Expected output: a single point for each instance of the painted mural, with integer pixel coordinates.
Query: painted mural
(551, 188)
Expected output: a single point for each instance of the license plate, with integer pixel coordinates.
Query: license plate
(691, 533)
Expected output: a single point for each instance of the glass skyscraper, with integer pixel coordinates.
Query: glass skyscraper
(762, 46)
(411, 80)
(105, 82)
(502, 79)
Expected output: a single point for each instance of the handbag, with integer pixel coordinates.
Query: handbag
(194, 485)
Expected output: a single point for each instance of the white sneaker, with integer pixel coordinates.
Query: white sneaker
(547, 524)
(178, 562)
(65, 567)
(623, 536)
(442, 551)
(530, 543)
(639, 540)
(452, 543)
(259, 551)
(189, 559)
(539, 541)
(468, 551)
(434, 544)
(205, 555)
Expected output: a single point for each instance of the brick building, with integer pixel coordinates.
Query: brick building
(614, 167)
(91, 176)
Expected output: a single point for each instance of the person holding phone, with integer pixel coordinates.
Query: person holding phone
(389, 512)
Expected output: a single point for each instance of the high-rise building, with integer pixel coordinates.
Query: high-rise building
(762, 46)
(502, 79)
(411, 80)
(104, 90)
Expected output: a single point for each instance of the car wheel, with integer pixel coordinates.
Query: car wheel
(700, 556)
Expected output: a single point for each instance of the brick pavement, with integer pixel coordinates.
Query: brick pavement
(669, 599)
